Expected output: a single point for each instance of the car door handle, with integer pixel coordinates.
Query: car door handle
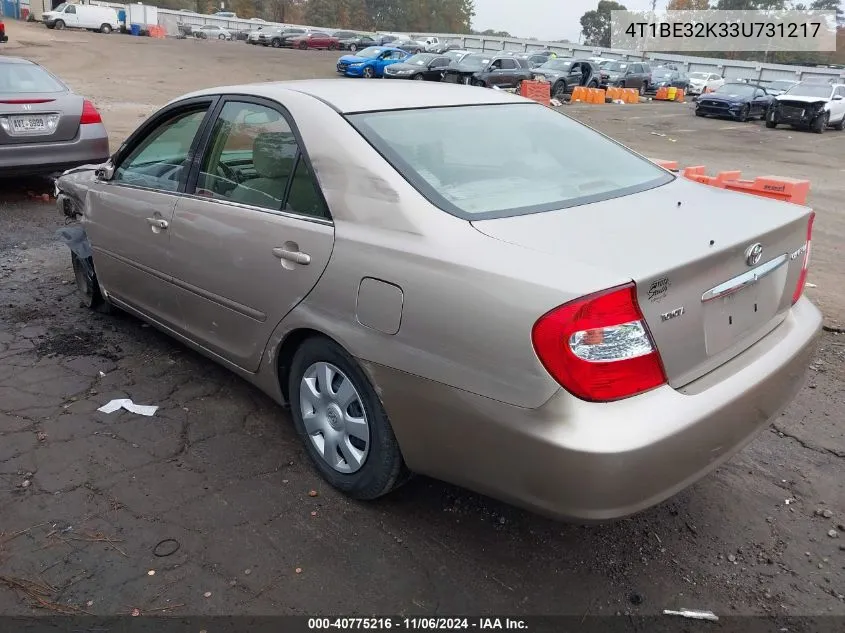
(157, 223)
(297, 257)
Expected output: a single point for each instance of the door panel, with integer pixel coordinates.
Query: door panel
(128, 218)
(253, 245)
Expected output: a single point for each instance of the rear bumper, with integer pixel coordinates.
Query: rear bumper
(593, 462)
(91, 145)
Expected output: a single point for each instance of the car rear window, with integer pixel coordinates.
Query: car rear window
(26, 78)
(545, 161)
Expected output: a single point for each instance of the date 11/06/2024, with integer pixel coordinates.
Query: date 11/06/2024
(417, 624)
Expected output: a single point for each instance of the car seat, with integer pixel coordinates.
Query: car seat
(272, 157)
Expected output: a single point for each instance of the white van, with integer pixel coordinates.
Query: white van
(81, 16)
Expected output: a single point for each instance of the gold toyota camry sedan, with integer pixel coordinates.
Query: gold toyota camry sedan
(455, 281)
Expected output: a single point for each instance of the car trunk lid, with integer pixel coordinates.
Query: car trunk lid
(27, 118)
(690, 250)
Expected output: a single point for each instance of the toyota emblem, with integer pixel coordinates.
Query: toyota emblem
(753, 254)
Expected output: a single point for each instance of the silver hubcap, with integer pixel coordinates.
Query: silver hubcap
(334, 417)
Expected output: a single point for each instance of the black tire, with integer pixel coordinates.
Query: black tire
(820, 123)
(368, 73)
(643, 88)
(221, 37)
(276, 43)
(518, 87)
(87, 285)
(841, 125)
(418, 77)
(771, 120)
(417, 51)
(105, 29)
(699, 113)
(303, 46)
(742, 117)
(559, 89)
(353, 47)
(59, 25)
(332, 46)
(479, 83)
(383, 468)
(593, 84)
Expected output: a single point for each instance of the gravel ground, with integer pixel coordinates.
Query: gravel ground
(86, 497)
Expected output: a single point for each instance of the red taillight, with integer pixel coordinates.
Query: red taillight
(598, 347)
(805, 265)
(89, 113)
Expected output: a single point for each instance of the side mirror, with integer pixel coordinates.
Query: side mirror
(837, 97)
(105, 172)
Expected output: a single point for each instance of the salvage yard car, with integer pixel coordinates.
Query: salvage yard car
(813, 106)
(739, 101)
(370, 62)
(626, 75)
(700, 82)
(44, 126)
(313, 39)
(407, 279)
(425, 66)
(486, 71)
(566, 74)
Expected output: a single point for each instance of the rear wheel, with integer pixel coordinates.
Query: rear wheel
(643, 88)
(418, 77)
(479, 83)
(86, 284)
(353, 47)
(559, 89)
(221, 36)
(59, 25)
(332, 46)
(275, 43)
(841, 125)
(518, 87)
(105, 29)
(303, 46)
(341, 421)
(369, 72)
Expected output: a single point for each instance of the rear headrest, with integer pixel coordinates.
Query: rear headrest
(273, 154)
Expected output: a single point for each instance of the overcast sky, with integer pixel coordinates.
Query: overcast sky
(543, 19)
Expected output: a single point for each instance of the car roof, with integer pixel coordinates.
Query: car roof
(347, 97)
(15, 60)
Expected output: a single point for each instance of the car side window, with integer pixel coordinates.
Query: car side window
(160, 160)
(304, 197)
(509, 64)
(70, 9)
(841, 91)
(250, 157)
(440, 61)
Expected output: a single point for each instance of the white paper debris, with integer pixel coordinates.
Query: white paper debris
(126, 403)
(695, 615)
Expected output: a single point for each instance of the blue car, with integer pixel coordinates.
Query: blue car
(370, 62)
(738, 101)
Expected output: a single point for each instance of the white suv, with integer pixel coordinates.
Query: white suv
(810, 105)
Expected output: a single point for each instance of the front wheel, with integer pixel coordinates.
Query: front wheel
(275, 43)
(772, 120)
(353, 47)
(820, 123)
(418, 77)
(559, 90)
(341, 421)
(743, 114)
(303, 46)
(478, 83)
(87, 285)
(518, 87)
(105, 29)
(643, 88)
(369, 72)
(417, 51)
(59, 25)
(332, 47)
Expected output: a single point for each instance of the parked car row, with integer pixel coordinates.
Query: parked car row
(807, 104)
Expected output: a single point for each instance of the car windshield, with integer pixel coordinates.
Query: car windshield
(476, 60)
(616, 67)
(736, 90)
(60, 8)
(557, 64)
(810, 90)
(662, 73)
(451, 158)
(419, 60)
(26, 78)
(781, 85)
(370, 52)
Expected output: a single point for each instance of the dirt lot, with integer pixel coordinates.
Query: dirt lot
(86, 497)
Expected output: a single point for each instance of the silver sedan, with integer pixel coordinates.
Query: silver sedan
(543, 316)
(44, 126)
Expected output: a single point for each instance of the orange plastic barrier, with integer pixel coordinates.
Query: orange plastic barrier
(662, 94)
(598, 95)
(632, 95)
(579, 93)
(157, 32)
(778, 188)
(671, 165)
(614, 93)
(539, 91)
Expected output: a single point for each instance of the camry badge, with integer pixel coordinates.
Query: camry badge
(753, 254)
